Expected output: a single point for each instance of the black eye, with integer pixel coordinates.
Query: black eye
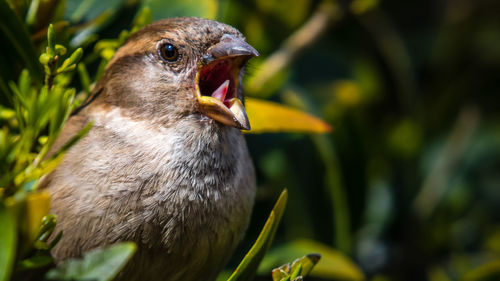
(169, 52)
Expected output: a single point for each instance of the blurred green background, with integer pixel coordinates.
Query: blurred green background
(407, 186)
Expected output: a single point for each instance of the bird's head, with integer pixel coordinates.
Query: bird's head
(180, 67)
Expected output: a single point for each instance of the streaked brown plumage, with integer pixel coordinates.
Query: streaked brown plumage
(156, 168)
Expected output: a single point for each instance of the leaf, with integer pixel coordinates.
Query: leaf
(88, 10)
(306, 263)
(73, 59)
(271, 117)
(84, 78)
(47, 226)
(88, 33)
(37, 207)
(487, 271)
(281, 272)
(142, 18)
(301, 267)
(35, 262)
(296, 272)
(98, 264)
(51, 41)
(8, 242)
(17, 39)
(191, 8)
(32, 11)
(333, 264)
(248, 267)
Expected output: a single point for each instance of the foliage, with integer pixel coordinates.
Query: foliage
(32, 126)
(98, 264)
(30, 130)
(333, 263)
(8, 242)
(248, 267)
(297, 270)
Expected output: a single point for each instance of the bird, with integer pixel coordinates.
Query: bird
(165, 164)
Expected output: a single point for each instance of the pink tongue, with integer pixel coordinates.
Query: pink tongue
(221, 92)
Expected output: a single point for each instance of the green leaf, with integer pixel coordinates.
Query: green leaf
(61, 50)
(99, 264)
(333, 264)
(142, 18)
(89, 32)
(487, 271)
(35, 262)
(44, 59)
(13, 34)
(51, 41)
(84, 78)
(281, 272)
(248, 267)
(47, 227)
(301, 267)
(189, 8)
(73, 59)
(32, 11)
(296, 272)
(8, 242)
(85, 11)
(305, 263)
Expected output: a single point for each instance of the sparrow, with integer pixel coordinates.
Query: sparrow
(165, 164)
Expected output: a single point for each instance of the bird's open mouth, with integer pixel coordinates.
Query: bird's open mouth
(217, 82)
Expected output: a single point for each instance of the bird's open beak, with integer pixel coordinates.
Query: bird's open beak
(218, 78)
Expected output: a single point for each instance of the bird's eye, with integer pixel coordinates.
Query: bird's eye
(169, 52)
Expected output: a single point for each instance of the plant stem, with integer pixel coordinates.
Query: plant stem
(305, 36)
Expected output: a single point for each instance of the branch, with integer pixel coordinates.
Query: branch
(327, 13)
(436, 183)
